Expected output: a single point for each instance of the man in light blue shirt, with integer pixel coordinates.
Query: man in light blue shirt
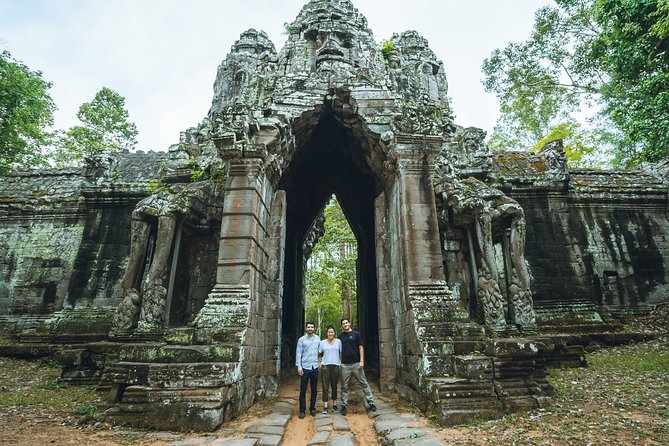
(306, 361)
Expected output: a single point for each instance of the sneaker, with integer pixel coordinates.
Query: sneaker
(343, 411)
(372, 408)
(334, 409)
(312, 412)
(301, 415)
(325, 410)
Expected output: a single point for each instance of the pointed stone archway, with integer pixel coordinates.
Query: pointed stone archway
(330, 162)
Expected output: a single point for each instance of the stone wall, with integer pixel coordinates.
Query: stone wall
(42, 219)
(596, 241)
(65, 236)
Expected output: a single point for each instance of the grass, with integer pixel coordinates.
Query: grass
(28, 385)
(632, 359)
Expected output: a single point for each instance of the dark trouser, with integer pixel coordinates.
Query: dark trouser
(329, 378)
(311, 377)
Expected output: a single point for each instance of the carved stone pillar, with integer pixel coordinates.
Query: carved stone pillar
(225, 315)
(419, 213)
(431, 309)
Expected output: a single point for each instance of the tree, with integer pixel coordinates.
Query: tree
(330, 282)
(26, 111)
(105, 128)
(606, 54)
(633, 49)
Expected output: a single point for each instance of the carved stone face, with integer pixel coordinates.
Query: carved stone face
(330, 46)
(331, 36)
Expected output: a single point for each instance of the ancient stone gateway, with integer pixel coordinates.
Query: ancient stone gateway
(330, 114)
(181, 293)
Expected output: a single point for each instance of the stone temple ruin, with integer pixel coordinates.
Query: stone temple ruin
(174, 280)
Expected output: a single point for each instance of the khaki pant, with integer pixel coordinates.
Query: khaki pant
(355, 371)
(329, 379)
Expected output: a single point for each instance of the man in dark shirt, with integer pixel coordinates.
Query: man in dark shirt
(352, 364)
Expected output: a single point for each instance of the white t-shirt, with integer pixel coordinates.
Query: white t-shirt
(331, 352)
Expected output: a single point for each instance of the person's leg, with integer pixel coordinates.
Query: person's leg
(334, 379)
(360, 377)
(326, 371)
(303, 392)
(314, 389)
(325, 384)
(346, 370)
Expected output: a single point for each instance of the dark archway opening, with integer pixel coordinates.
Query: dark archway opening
(329, 160)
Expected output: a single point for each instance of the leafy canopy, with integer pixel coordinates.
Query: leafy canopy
(105, 127)
(611, 55)
(330, 282)
(26, 111)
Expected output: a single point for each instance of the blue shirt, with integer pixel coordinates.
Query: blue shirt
(306, 357)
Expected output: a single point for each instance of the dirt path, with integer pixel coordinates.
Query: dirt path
(299, 432)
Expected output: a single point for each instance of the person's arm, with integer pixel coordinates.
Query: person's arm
(362, 355)
(298, 357)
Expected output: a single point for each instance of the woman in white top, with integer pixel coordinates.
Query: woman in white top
(330, 348)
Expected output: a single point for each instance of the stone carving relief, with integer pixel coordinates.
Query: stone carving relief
(415, 71)
(487, 214)
(555, 160)
(471, 149)
(157, 218)
(244, 77)
(425, 119)
(155, 221)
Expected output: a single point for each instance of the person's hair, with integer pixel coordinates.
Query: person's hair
(330, 327)
(307, 323)
(344, 319)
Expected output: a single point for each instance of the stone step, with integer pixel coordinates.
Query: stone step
(188, 409)
(173, 375)
(167, 353)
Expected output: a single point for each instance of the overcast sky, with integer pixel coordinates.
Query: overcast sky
(162, 55)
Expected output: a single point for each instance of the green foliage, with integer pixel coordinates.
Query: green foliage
(608, 54)
(387, 49)
(633, 48)
(661, 28)
(87, 411)
(331, 275)
(580, 144)
(287, 29)
(196, 175)
(105, 127)
(154, 185)
(218, 175)
(26, 110)
(35, 384)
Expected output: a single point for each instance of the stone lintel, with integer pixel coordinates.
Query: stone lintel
(408, 141)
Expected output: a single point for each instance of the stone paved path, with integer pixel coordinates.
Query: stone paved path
(392, 429)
